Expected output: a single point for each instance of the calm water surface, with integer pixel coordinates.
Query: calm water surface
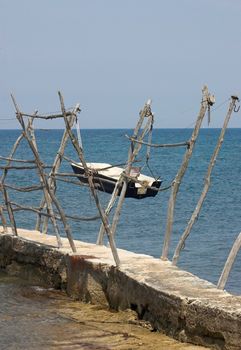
(142, 224)
(32, 317)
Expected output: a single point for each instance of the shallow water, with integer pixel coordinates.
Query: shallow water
(32, 317)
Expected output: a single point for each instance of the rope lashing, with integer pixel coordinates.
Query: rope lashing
(211, 101)
(180, 144)
(145, 185)
(236, 109)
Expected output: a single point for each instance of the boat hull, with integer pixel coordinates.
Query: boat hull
(106, 184)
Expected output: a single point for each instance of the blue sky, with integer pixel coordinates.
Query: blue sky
(111, 56)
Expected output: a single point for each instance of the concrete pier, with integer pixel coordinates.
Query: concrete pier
(172, 300)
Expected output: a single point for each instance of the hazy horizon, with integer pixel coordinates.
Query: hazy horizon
(190, 128)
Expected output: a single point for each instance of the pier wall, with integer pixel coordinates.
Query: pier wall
(173, 301)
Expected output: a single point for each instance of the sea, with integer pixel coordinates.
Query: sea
(142, 224)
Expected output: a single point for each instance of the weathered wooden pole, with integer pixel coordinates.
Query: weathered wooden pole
(123, 181)
(30, 137)
(207, 183)
(4, 223)
(56, 166)
(6, 199)
(47, 191)
(10, 212)
(5, 171)
(181, 172)
(100, 239)
(30, 129)
(89, 175)
(132, 155)
(229, 263)
(31, 134)
(65, 137)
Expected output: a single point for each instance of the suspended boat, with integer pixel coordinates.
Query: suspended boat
(105, 177)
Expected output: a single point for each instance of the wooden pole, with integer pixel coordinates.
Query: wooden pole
(122, 180)
(31, 134)
(3, 177)
(56, 166)
(181, 172)
(47, 191)
(91, 183)
(5, 171)
(4, 223)
(65, 137)
(31, 131)
(100, 239)
(206, 185)
(131, 158)
(10, 212)
(229, 263)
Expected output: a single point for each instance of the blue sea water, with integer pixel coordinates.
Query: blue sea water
(142, 224)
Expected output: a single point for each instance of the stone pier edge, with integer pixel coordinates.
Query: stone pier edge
(174, 301)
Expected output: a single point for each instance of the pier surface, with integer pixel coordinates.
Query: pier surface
(172, 300)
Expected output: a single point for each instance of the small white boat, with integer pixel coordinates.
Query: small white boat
(105, 177)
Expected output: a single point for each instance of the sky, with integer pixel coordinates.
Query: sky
(112, 56)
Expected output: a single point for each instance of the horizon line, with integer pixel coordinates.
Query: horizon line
(124, 128)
